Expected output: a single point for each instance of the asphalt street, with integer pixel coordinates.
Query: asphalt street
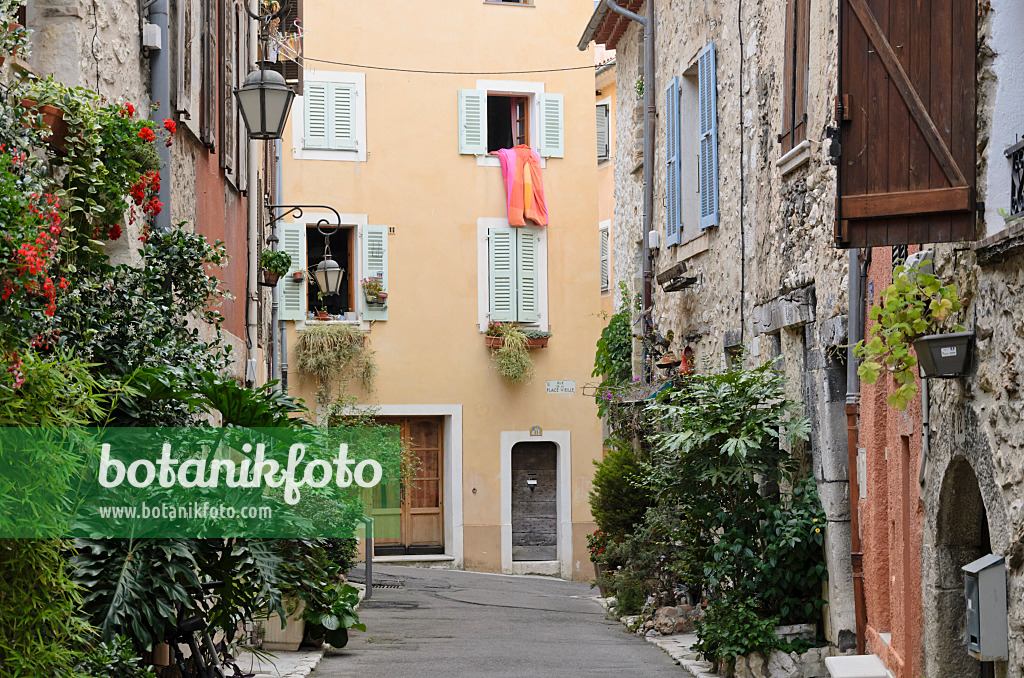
(449, 623)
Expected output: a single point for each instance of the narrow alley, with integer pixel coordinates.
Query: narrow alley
(451, 623)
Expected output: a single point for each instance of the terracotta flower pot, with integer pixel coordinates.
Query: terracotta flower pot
(270, 278)
(382, 297)
(323, 315)
(53, 118)
(498, 342)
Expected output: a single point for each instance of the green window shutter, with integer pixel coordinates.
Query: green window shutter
(292, 294)
(552, 129)
(473, 121)
(603, 132)
(315, 115)
(606, 268)
(528, 283)
(708, 103)
(375, 265)
(501, 267)
(343, 116)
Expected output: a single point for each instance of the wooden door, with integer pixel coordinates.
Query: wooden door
(907, 116)
(414, 510)
(534, 501)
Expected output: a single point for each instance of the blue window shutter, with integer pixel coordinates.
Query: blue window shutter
(292, 294)
(315, 111)
(501, 273)
(528, 275)
(672, 173)
(375, 265)
(552, 127)
(708, 103)
(473, 121)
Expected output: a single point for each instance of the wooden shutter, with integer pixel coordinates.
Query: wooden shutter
(603, 133)
(552, 128)
(189, 61)
(241, 70)
(315, 115)
(472, 121)
(794, 82)
(342, 116)
(230, 44)
(606, 267)
(673, 188)
(708, 104)
(527, 275)
(292, 294)
(501, 269)
(211, 70)
(375, 265)
(907, 164)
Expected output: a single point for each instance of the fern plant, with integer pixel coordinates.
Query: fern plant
(512, 359)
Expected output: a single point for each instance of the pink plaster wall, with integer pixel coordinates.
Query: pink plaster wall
(892, 517)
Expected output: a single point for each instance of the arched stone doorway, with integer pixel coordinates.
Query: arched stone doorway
(961, 536)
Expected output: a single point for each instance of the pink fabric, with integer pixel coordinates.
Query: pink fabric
(508, 170)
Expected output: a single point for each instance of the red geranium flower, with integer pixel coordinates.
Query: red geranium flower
(147, 134)
(115, 232)
(170, 126)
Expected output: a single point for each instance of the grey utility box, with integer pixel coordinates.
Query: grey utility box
(985, 586)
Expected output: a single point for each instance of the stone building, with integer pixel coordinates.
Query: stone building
(206, 47)
(919, 106)
(753, 233)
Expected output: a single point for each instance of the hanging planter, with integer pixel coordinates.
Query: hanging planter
(53, 118)
(273, 265)
(944, 356)
(270, 279)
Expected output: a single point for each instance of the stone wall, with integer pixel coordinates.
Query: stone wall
(768, 276)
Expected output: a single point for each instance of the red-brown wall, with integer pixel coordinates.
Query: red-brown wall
(892, 516)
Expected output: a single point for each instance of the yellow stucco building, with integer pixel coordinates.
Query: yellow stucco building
(403, 155)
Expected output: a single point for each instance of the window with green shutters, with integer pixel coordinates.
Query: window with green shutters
(548, 109)
(291, 298)
(514, 274)
(329, 113)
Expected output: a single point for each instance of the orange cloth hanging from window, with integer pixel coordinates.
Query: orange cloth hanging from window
(527, 195)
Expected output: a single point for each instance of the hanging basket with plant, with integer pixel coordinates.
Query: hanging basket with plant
(273, 265)
(334, 354)
(916, 310)
(511, 358)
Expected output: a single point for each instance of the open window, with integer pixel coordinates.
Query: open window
(508, 121)
(361, 252)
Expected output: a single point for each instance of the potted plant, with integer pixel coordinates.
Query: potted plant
(493, 337)
(274, 265)
(330, 620)
(597, 543)
(49, 117)
(916, 310)
(512, 358)
(373, 288)
(12, 41)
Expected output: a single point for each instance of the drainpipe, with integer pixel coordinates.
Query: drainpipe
(281, 324)
(647, 315)
(160, 93)
(254, 213)
(855, 281)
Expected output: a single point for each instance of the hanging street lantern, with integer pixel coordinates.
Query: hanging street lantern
(264, 100)
(328, 274)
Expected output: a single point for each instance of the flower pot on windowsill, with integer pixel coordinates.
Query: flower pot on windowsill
(53, 118)
(498, 342)
(944, 356)
(323, 315)
(382, 298)
(270, 278)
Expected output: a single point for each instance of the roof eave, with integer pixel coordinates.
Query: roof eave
(595, 23)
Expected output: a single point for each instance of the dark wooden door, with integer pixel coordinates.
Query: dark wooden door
(534, 501)
(907, 111)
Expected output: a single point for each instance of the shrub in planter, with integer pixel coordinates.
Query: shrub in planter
(915, 308)
(617, 501)
(274, 265)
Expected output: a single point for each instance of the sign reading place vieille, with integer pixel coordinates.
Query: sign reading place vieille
(561, 387)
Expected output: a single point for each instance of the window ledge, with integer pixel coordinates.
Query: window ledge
(800, 155)
(1001, 246)
(508, 4)
(493, 160)
(692, 247)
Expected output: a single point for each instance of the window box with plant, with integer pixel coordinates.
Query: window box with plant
(916, 310)
(494, 336)
(274, 265)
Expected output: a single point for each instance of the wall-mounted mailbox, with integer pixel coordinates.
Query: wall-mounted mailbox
(985, 586)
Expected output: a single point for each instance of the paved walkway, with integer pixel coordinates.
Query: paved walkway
(452, 624)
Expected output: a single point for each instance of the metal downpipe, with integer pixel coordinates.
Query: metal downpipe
(160, 92)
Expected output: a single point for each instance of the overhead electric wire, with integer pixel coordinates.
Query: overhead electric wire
(425, 72)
